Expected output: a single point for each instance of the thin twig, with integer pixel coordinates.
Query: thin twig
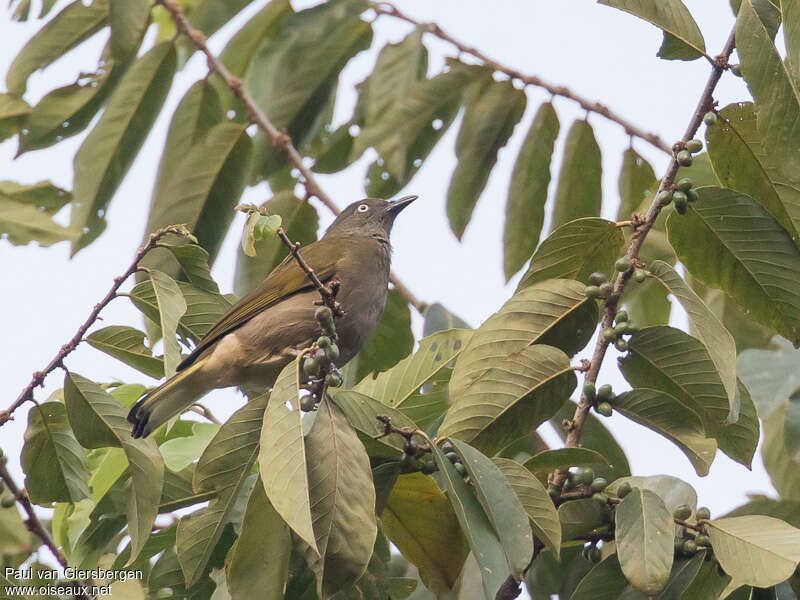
(281, 140)
(203, 410)
(387, 8)
(58, 360)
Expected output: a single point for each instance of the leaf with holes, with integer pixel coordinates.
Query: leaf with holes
(23, 223)
(579, 192)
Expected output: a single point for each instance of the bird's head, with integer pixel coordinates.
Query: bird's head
(369, 216)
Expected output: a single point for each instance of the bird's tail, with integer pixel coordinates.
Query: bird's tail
(169, 399)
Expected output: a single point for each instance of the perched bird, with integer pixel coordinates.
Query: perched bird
(267, 328)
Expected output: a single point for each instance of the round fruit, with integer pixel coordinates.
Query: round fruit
(461, 469)
(609, 335)
(452, 457)
(702, 540)
(692, 196)
(597, 278)
(682, 512)
(621, 345)
(584, 476)
(736, 70)
(623, 264)
(333, 380)
(684, 158)
(307, 403)
(429, 467)
(323, 313)
(621, 328)
(409, 464)
(624, 489)
(694, 146)
(689, 547)
(605, 409)
(7, 501)
(410, 447)
(680, 197)
(324, 341)
(599, 484)
(600, 498)
(589, 390)
(681, 208)
(664, 197)
(622, 316)
(703, 513)
(684, 184)
(595, 555)
(592, 291)
(311, 367)
(710, 118)
(605, 392)
(332, 353)
(639, 275)
(606, 289)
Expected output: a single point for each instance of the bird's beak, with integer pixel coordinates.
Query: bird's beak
(398, 205)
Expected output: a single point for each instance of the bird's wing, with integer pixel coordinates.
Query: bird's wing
(284, 280)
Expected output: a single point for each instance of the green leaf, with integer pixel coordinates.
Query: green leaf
(636, 180)
(785, 510)
(74, 24)
(770, 375)
(604, 582)
(342, 501)
(536, 501)
(474, 524)
(401, 386)
(672, 491)
(784, 472)
(647, 302)
(282, 451)
(438, 318)
(43, 195)
(171, 307)
(99, 421)
(755, 550)
(109, 150)
(429, 539)
(300, 220)
(362, 412)
(489, 120)
(511, 396)
(669, 360)
(739, 440)
(708, 584)
(706, 327)
(54, 463)
(580, 518)
(666, 415)
(391, 342)
(644, 535)
(575, 250)
(181, 452)
(129, 20)
(791, 426)
(555, 312)
(193, 261)
(579, 192)
(14, 536)
(682, 37)
(748, 262)
(741, 162)
(14, 112)
(127, 345)
(564, 458)
(527, 192)
(501, 504)
(258, 563)
(223, 468)
(204, 188)
(23, 223)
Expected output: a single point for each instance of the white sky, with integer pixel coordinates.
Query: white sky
(600, 53)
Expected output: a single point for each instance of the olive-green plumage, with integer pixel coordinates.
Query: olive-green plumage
(265, 330)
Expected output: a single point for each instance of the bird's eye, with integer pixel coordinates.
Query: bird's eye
(362, 208)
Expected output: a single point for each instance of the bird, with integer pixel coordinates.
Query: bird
(271, 325)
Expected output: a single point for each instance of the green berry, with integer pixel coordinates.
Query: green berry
(595, 555)
(609, 335)
(7, 501)
(410, 447)
(583, 476)
(600, 498)
(409, 464)
(621, 328)
(333, 380)
(307, 403)
(639, 275)
(311, 367)
(680, 197)
(684, 184)
(606, 289)
(664, 197)
(324, 341)
(692, 196)
(332, 353)
(702, 540)
(694, 146)
(710, 118)
(630, 328)
(605, 392)
(461, 469)
(682, 512)
(736, 70)
(323, 313)
(592, 291)
(624, 489)
(689, 547)
(605, 409)
(621, 345)
(703, 513)
(599, 484)
(597, 278)
(429, 467)
(623, 264)
(622, 316)
(589, 390)
(452, 457)
(684, 158)
(681, 207)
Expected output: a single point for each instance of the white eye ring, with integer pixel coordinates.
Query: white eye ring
(362, 208)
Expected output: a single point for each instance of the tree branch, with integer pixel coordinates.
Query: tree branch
(281, 140)
(58, 360)
(387, 8)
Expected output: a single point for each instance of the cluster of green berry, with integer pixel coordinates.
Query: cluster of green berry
(682, 194)
(601, 398)
(622, 326)
(416, 459)
(319, 365)
(689, 541)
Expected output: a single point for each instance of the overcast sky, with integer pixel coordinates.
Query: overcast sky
(599, 52)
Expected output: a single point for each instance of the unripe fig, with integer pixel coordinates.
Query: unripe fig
(639, 275)
(622, 316)
(682, 512)
(623, 264)
(606, 289)
(694, 146)
(624, 489)
(703, 513)
(589, 390)
(324, 341)
(605, 409)
(684, 158)
(595, 555)
(333, 380)
(323, 313)
(311, 367)
(621, 345)
(605, 392)
(597, 278)
(592, 291)
(452, 457)
(307, 403)
(692, 196)
(609, 334)
(599, 484)
(621, 328)
(332, 353)
(664, 197)
(684, 184)
(710, 118)
(689, 547)
(702, 540)
(583, 476)
(681, 207)
(409, 464)
(680, 197)
(461, 469)
(7, 501)
(429, 467)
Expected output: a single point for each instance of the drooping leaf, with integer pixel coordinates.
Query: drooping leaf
(739, 440)
(770, 375)
(672, 491)
(224, 467)
(575, 250)
(342, 501)
(666, 415)
(74, 24)
(682, 37)
(527, 192)
(430, 539)
(171, 307)
(636, 179)
(604, 582)
(99, 421)
(109, 150)
(127, 344)
(391, 342)
(128, 20)
(511, 396)
(756, 550)
(579, 192)
(784, 472)
(536, 501)
(180, 452)
(54, 463)
(749, 261)
(193, 261)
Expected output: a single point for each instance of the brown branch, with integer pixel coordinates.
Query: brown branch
(58, 360)
(281, 140)
(205, 412)
(386, 8)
